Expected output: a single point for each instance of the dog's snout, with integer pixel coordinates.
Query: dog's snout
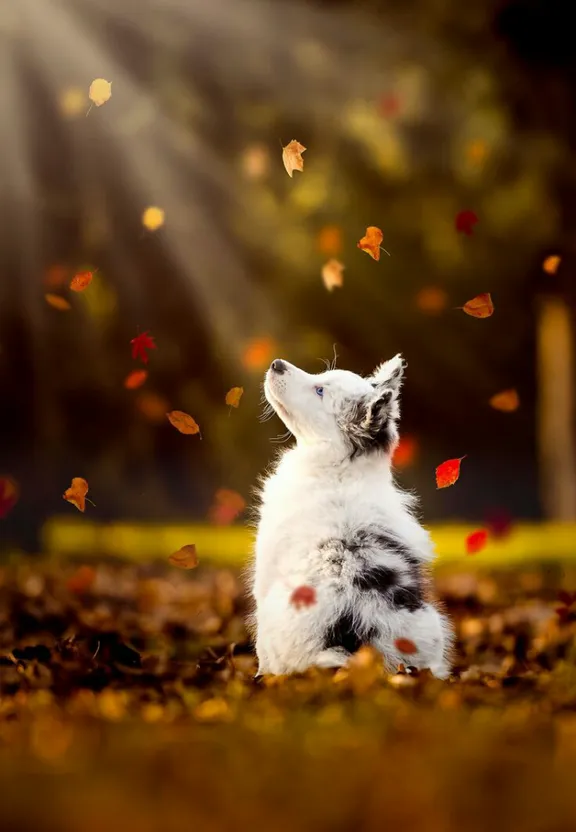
(278, 366)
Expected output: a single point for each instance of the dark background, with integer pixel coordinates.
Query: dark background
(388, 98)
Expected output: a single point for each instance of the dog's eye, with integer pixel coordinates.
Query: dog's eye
(319, 391)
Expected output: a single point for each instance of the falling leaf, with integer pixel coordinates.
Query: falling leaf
(329, 240)
(152, 406)
(405, 453)
(9, 494)
(153, 218)
(100, 91)
(432, 300)
(140, 344)
(183, 422)
(370, 242)
(57, 302)
(56, 276)
(292, 157)
(332, 274)
(233, 396)
(135, 379)
(476, 541)
(185, 558)
(76, 494)
(303, 596)
(81, 281)
(465, 222)
(226, 507)
(448, 472)
(258, 353)
(389, 105)
(404, 645)
(81, 580)
(507, 401)
(499, 523)
(479, 307)
(72, 101)
(256, 161)
(550, 265)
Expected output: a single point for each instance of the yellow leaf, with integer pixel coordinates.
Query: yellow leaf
(292, 157)
(233, 396)
(332, 274)
(153, 218)
(100, 91)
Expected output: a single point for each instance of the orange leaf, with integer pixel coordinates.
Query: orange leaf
(550, 264)
(448, 472)
(303, 596)
(371, 241)
(465, 222)
(76, 494)
(507, 401)
(258, 353)
(135, 379)
(329, 240)
(183, 422)
(404, 645)
(431, 299)
(226, 507)
(81, 580)
(233, 396)
(9, 494)
(479, 307)
(57, 302)
(476, 541)
(81, 281)
(185, 558)
(152, 406)
(332, 274)
(292, 157)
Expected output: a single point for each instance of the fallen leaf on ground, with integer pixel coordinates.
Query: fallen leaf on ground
(183, 422)
(100, 91)
(332, 274)
(476, 541)
(550, 264)
(479, 307)
(448, 472)
(135, 379)
(507, 401)
(303, 596)
(140, 344)
(233, 396)
(185, 558)
(292, 157)
(371, 241)
(153, 218)
(404, 645)
(76, 494)
(9, 494)
(465, 222)
(57, 302)
(81, 580)
(81, 281)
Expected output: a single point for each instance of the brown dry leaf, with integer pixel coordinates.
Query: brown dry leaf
(479, 307)
(185, 558)
(550, 264)
(57, 302)
(81, 281)
(100, 91)
(183, 422)
(233, 396)
(332, 274)
(135, 379)
(76, 494)
(292, 157)
(153, 218)
(507, 401)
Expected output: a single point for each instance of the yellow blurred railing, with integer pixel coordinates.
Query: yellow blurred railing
(232, 544)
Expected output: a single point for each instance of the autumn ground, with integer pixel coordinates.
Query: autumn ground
(127, 701)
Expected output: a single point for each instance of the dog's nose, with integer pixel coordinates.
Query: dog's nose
(278, 366)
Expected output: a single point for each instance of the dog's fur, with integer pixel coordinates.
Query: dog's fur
(332, 518)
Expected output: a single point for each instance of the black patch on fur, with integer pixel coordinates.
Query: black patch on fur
(343, 633)
(407, 598)
(380, 578)
(369, 425)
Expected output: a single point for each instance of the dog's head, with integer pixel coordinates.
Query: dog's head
(337, 406)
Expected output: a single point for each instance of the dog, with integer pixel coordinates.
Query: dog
(340, 557)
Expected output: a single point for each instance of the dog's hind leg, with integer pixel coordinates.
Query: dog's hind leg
(428, 635)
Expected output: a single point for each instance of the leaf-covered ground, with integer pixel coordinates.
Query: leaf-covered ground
(127, 701)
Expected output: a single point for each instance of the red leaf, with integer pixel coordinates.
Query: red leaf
(465, 222)
(448, 472)
(140, 344)
(303, 596)
(135, 379)
(404, 645)
(476, 541)
(81, 281)
(81, 580)
(8, 495)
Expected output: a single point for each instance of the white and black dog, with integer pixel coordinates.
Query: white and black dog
(331, 518)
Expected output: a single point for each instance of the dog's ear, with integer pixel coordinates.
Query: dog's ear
(372, 422)
(389, 376)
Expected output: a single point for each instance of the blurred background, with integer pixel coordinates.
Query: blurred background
(411, 111)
